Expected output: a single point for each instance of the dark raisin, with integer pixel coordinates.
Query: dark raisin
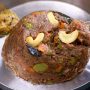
(34, 51)
(69, 19)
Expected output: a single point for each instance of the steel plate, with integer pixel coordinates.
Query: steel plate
(13, 82)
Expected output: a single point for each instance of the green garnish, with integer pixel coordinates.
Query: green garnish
(59, 45)
(40, 68)
(72, 61)
(27, 24)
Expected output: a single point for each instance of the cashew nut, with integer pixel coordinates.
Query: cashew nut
(52, 19)
(68, 38)
(35, 42)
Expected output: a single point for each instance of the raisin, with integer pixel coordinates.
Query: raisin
(69, 19)
(34, 51)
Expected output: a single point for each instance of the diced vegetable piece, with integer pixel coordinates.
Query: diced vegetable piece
(72, 61)
(40, 68)
(43, 48)
(59, 68)
(27, 24)
(59, 45)
(62, 25)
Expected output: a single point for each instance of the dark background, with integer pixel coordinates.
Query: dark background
(84, 4)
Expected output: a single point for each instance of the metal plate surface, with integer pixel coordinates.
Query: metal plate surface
(8, 79)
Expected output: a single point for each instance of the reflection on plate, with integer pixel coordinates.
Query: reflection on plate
(9, 80)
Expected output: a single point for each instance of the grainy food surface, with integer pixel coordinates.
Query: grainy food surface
(8, 19)
(47, 47)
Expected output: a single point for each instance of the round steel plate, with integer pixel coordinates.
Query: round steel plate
(13, 82)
